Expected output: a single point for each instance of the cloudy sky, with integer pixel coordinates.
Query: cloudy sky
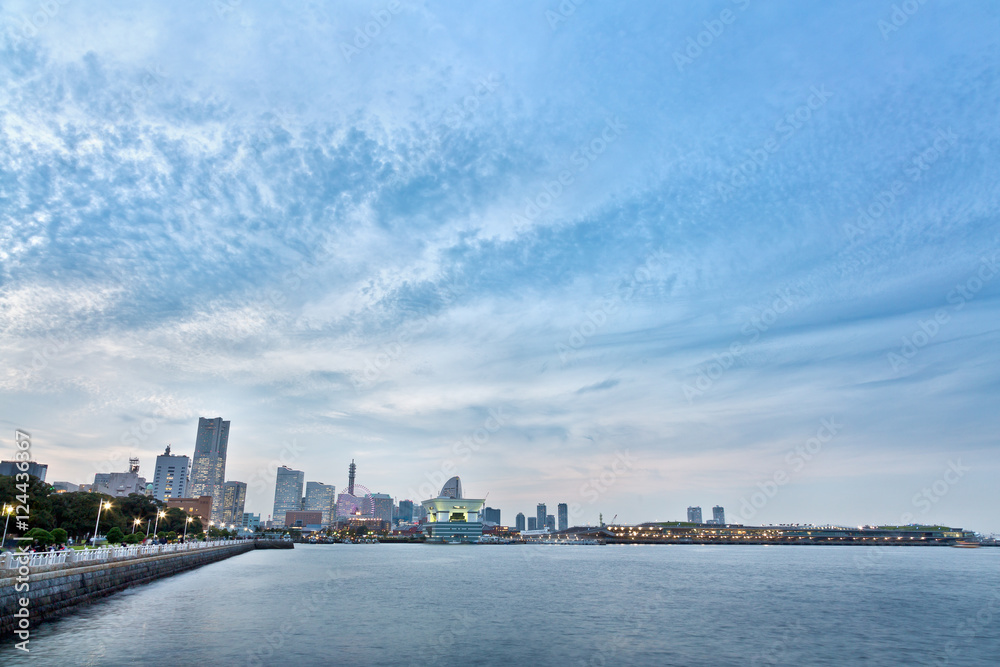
(631, 257)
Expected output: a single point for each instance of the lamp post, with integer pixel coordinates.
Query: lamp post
(135, 524)
(8, 510)
(101, 505)
(208, 531)
(159, 514)
(189, 520)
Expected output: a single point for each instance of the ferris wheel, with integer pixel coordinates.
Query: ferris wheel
(356, 504)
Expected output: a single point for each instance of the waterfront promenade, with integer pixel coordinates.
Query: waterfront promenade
(56, 581)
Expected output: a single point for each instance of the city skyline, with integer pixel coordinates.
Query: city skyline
(578, 259)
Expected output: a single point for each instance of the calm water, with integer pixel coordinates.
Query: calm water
(501, 605)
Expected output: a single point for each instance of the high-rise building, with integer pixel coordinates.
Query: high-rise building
(694, 515)
(405, 513)
(382, 506)
(719, 515)
(562, 509)
(351, 472)
(287, 494)
(491, 515)
(532, 523)
(170, 478)
(10, 468)
(550, 522)
(234, 497)
(321, 497)
(208, 470)
(519, 522)
(540, 513)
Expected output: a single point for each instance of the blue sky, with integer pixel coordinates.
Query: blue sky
(632, 257)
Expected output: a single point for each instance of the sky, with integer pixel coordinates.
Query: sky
(632, 257)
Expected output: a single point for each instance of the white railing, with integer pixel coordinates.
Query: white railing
(10, 560)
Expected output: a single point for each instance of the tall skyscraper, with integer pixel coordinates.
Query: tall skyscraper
(382, 506)
(287, 494)
(562, 509)
(540, 513)
(492, 515)
(321, 497)
(532, 523)
(234, 497)
(208, 470)
(719, 515)
(519, 522)
(694, 515)
(406, 511)
(170, 479)
(351, 472)
(550, 522)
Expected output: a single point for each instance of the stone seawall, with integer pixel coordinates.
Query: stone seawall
(53, 590)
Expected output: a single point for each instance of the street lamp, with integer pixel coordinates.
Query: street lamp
(8, 510)
(189, 520)
(104, 504)
(159, 514)
(208, 530)
(135, 524)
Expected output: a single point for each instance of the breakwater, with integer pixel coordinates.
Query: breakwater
(53, 586)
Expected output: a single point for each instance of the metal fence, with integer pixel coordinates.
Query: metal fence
(10, 560)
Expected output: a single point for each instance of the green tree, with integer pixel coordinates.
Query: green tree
(59, 536)
(38, 495)
(40, 536)
(115, 535)
(76, 513)
(133, 538)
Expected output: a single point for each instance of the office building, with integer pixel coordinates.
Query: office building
(234, 496)
(287, 494)
(532, 523)
(321, 497)
(170, 477)
(694, 515)
(719, 515)
(208, 470)
(550, 522)
(251, 521)
(491, 515)
(200, 507)
(519, 521)
(306, 520)
(382, 507)
(35, 469)
(562, 509)
(65, 487)
(405, 513)
(541, 512)
(121, 484)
